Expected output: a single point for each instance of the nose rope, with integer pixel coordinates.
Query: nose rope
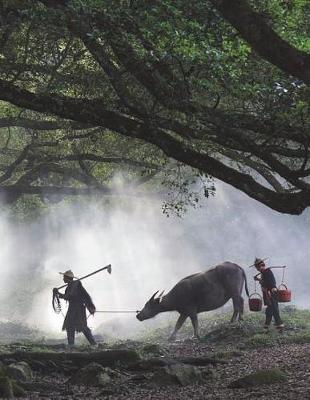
(115, 312)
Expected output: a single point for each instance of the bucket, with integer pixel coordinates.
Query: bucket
(284, 295)
(255, 304)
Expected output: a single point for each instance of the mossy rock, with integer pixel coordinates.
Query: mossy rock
(177, 374)
(3, 371)
(8, 385)
(6, 388)
(227, 355)
(18, 391)
(20, 371)
(153, 349)
(94, 374)
(261, 377)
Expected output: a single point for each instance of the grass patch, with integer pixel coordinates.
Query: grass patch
(250, 334)
(215, 329)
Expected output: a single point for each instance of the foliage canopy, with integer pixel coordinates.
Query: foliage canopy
(89, 88)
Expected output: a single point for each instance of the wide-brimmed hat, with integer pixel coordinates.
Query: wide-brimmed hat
(257, 261)
(68, 273)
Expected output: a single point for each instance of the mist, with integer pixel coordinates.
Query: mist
(147, 251)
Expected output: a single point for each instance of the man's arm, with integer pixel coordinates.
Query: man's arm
(70, 292)
(258, 277)
(60, 295)
(87, 300)
(270, 280)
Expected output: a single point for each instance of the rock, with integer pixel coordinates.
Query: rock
(153, 349)
(6, 389)
(152, 363)
(8, 361)
(68, 368)
(177, 374)
(19, 371)
(209, 374)
(107, 358)
(261, 377)
(227, 355)
(18, 390)
(127, 345)
(156, 362)
(94, 374)
(139, 378)
(39, 366)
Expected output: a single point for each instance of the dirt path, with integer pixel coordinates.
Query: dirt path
(293, 359)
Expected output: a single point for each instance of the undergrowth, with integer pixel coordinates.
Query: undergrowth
(217, 330)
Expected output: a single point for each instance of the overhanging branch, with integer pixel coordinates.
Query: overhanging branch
(263, 39)
(41, 125)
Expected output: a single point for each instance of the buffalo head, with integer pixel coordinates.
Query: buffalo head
(151, 308)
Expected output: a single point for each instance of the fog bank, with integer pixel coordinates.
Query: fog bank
(147, 250)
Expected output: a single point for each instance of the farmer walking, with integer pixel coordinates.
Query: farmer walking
(79, 300)
(268, 283)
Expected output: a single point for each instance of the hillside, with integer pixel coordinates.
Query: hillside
(152, 368)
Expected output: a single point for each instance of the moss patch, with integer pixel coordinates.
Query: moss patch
(261, 377)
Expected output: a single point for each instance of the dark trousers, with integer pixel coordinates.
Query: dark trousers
(87, 334)
(272, 309)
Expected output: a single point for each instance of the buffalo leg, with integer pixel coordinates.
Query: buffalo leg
(241, 308)
(178, 325)
(236, 302)
(194, 320)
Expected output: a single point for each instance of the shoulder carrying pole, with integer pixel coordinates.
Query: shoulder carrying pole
(108, 268)
(56, 302)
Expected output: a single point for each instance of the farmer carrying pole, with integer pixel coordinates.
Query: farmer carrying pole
(79, 300)
(268, 283)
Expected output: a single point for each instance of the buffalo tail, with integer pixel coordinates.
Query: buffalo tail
(245, 283)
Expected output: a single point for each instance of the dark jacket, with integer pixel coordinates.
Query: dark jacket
(267, 282)
(79, 300)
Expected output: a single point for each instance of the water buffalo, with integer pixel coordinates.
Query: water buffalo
(203, 291)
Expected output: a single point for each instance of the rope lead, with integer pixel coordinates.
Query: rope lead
(56, 302)
(117, 311)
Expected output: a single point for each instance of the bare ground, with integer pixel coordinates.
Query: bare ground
(293, 359)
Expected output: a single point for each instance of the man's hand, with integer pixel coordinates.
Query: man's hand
(92, 310)
(256, 278)
(274, 290)
(57, 293)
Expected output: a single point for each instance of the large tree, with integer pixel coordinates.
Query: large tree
(220, 86)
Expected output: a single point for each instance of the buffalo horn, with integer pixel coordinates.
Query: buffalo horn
(152, 298)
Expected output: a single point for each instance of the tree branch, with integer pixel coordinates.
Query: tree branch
(10, 170)
(94, 112)
(263, 39)
(41, 124)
